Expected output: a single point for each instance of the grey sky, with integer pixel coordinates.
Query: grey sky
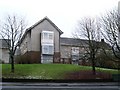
(64, 13)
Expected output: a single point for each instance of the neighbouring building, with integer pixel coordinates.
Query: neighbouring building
(4, 50)
(76, 51)
(72, 49)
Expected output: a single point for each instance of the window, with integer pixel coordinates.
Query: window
(47, 59)
(75, 50)
(51, 49)
(51, 36)
(47, 49)
(47, 35)
(47, 42)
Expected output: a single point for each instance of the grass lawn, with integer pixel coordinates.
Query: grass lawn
(45, 71)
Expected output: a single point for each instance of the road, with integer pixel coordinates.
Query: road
(60, 86)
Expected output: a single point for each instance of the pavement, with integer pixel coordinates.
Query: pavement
(60, 86)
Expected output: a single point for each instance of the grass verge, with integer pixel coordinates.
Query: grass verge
(45, 71)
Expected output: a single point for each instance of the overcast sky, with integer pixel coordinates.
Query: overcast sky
(64, 13)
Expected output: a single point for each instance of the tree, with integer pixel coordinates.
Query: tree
(89, 29)
(111, 31)
(12, 30)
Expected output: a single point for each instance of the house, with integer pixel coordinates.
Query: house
(4, 50)
(41, 42)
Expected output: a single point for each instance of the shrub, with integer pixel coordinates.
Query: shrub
(1, 61)
(105, 61)
(22, 59)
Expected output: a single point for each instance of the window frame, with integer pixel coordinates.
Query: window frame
(47, 37)
(47, 46)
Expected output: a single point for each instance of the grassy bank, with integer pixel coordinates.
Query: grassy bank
(45, 71)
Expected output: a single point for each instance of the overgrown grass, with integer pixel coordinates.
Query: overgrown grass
(45, 71)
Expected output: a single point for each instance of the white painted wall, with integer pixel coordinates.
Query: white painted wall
(0, 54)
(4, 53)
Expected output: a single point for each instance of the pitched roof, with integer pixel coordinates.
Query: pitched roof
(73, 41)
(45, 18)
(4, 43)
(81, 42)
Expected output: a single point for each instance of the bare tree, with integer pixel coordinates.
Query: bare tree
(111, 30)
(12, 30)
(88, 28)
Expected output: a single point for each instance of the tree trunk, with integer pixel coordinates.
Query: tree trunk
(12, 64)
(93, 63)
(93, 67)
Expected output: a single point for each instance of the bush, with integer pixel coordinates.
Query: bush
(22, 59)
(1, 61)
(28, 58)
(102, 60)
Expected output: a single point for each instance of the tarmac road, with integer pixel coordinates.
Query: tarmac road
(60, 86)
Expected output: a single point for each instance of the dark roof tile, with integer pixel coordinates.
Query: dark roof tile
(73, 41)
(4, 43)
(81, 42)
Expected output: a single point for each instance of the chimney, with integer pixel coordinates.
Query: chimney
(102, 40)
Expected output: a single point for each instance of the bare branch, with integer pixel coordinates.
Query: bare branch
(111, 29)
(89, 28)
(13, 30)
